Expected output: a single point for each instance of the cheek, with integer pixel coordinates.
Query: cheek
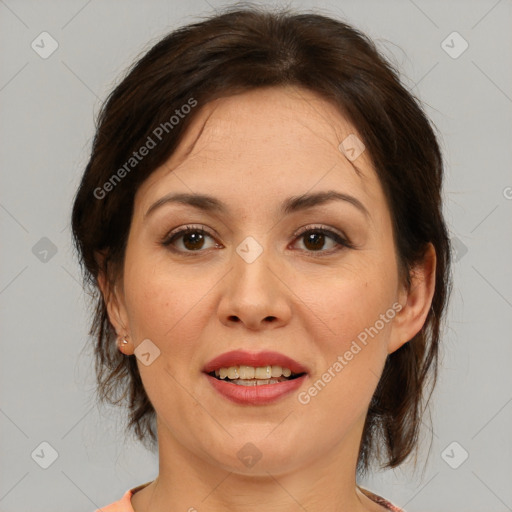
(165, 303)
(167, 307)
(160, 303)
(350, 318)
(343, 303)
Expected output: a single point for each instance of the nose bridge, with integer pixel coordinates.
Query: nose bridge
(253, 275)
(254, 293)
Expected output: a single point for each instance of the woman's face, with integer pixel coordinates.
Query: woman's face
(263, 277)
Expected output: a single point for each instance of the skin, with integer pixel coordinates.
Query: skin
(252, 151)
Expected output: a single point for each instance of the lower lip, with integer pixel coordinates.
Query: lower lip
(255, 395)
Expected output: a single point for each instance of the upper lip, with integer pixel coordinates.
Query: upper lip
(256, 359)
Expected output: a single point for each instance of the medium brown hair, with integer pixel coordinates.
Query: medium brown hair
(244, 48)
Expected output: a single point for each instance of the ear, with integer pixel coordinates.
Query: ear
(415, 301)
(113, 295)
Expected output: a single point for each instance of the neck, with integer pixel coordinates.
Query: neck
(190, 482)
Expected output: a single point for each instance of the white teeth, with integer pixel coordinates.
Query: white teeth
(261, 373)
(277, 371)
(233, 372)
(246, 372)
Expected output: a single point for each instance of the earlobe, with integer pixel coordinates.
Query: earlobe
(416, 301)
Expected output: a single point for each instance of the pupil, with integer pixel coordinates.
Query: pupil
(311, 239)
(196, 238)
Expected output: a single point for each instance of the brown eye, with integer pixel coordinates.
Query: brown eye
(192, 239)
(314, 240)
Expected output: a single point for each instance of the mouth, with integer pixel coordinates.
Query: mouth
(254, 376)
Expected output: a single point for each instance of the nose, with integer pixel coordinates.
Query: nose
(254, 295)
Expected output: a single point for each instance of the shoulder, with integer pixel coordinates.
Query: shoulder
(125, 503)
(122, 505)
(379, 500)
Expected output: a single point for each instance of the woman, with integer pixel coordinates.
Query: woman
(261, 219)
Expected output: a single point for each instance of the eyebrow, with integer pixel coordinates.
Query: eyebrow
(292, 204)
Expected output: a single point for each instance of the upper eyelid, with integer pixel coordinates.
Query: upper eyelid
(183, 229)
(177, 233)
(314, 227)
(297, 232)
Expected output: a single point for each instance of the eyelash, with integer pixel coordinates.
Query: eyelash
(342, 242)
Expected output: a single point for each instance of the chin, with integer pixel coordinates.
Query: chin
(257, 457)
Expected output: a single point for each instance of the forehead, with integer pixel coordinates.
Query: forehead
(264, 143)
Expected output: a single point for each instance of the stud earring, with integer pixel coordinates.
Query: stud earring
(121, 342)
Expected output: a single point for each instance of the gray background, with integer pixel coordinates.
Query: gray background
(48, 108)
